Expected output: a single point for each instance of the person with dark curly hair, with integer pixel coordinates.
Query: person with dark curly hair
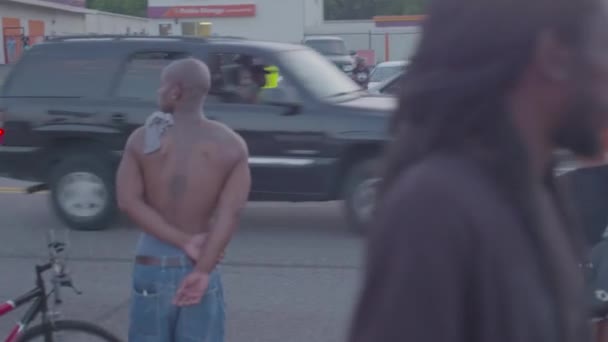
(471, 241)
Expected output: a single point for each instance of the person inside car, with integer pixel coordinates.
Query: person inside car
(251, 79)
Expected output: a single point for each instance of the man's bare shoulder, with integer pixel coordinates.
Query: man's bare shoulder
(230, 141)
(135, 142)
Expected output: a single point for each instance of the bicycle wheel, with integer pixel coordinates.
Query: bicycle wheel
(68, 331)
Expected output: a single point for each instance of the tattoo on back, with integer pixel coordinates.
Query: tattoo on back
(178, 186)
(179, 180)
(191, 146)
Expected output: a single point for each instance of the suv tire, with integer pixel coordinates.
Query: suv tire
(360, 194)
(82, 192)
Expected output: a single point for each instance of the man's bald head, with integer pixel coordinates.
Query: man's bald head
(184, 82)
(191, 74)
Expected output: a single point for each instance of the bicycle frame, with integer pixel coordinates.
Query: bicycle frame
(39, 298)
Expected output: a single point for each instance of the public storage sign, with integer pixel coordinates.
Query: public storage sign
(77, 3)
(208, 11)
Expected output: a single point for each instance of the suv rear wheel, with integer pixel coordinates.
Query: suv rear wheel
(360, 194)
(82, 192)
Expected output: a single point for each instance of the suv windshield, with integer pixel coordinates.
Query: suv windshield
(317, 74)
(328, 47)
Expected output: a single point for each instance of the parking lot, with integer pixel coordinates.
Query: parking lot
(291, 274)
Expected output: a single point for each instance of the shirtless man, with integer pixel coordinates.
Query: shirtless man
(183, 180)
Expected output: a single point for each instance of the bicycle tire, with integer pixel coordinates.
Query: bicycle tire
(68, 326)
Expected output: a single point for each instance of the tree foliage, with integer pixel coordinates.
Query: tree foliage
(366, 9)
(128, 7)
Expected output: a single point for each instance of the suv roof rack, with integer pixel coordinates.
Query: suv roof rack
(136, 37)
(119, 37)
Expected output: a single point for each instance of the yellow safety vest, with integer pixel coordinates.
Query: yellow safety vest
(272, 77)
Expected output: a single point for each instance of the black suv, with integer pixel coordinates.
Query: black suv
(70, 103)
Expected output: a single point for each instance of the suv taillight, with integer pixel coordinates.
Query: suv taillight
(2, 131)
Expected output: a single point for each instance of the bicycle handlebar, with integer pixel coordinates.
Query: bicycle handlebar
(57, 265)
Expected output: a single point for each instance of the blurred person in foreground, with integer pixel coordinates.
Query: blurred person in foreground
(471, 241)
(183, 180)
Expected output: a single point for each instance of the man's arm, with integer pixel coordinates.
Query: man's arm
(130, 195)
(231, 202)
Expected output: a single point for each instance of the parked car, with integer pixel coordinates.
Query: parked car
(70, 103)
(334, 49)
(384, 71)
(389, 87)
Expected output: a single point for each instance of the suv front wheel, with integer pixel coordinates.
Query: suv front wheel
(82, 192)
(360, 191)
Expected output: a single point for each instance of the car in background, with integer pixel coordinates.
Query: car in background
(334, 49)
(389, 87)
(385, 71)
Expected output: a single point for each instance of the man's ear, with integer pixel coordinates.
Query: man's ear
(176, 92)
(553, 59)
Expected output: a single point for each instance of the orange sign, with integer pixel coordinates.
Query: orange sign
(398, 20)
(209, 11)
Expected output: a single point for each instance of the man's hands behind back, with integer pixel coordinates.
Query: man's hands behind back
(192, 289)
(195, 245)
(194, 286)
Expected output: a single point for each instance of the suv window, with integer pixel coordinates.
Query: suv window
(243, 78)
(68, 73)
(317, 74)
(142, 74)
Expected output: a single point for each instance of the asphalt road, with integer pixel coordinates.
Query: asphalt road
(291, 274)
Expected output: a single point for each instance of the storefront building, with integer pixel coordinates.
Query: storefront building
(277, 20)
(27, 22)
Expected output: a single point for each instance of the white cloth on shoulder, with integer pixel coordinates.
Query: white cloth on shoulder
(155, 126)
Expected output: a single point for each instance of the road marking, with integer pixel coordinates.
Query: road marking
(15, 190)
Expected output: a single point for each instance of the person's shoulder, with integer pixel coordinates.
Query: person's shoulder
(447, 182)
(445, 173)
(433, 203)
(229, 139)
(135, 141)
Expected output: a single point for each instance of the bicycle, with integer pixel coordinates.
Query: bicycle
(51, 326)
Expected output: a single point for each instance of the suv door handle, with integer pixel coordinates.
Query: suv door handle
(118, 117)
(70, 113)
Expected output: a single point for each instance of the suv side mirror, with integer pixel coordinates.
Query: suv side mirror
(353, 52)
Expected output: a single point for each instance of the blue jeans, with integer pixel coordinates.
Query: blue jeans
(155, 319)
